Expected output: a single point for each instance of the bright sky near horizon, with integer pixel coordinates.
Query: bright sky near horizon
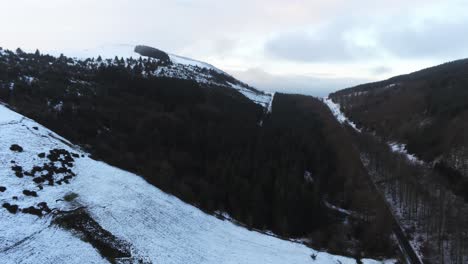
(303, 46)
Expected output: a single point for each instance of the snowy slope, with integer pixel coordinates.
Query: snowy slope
(335, 109)
(394, 146)
(180, 67)
(159, 227)
(190, 62)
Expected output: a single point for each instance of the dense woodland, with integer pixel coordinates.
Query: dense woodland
(426, 110)
(207, 144)
(432, 215)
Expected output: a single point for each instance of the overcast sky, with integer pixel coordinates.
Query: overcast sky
(304, 46)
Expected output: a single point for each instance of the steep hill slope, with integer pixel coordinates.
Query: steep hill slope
(60, 206)
(172, 66)
(412, 138)
(426, 110)
(274, 168)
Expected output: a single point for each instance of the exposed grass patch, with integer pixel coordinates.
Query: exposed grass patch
(82, 224)
(70, 196)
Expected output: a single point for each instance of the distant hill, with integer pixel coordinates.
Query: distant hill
(427, 110)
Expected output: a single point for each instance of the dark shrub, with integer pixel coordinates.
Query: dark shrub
(44, 207)
(16, 148)
(39, 180)
(30, 193)
(11, 208)
(32, 210)
(17, 168)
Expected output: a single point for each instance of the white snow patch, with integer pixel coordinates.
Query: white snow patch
(401, 148)
(59, 106)
(28, 79)
(350, 213)
(356, 94)
(7, 116)
(270, 104)
(191, 62)
(260, 98)
(335, 109)
(308, 177)
(336, 208)
(390, 86)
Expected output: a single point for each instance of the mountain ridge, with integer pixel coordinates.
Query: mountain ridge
(170, 66)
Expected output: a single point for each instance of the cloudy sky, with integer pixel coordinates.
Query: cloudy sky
(303, 46)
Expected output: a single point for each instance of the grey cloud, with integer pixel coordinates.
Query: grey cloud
(321, 43)
(433, 40)
(380, 70)
(302, 46)
(336, 42)
(310, 85)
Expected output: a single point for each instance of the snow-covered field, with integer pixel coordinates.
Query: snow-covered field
(160, 227)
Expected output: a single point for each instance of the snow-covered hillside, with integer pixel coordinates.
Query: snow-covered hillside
(180, 67)
(44, 179)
